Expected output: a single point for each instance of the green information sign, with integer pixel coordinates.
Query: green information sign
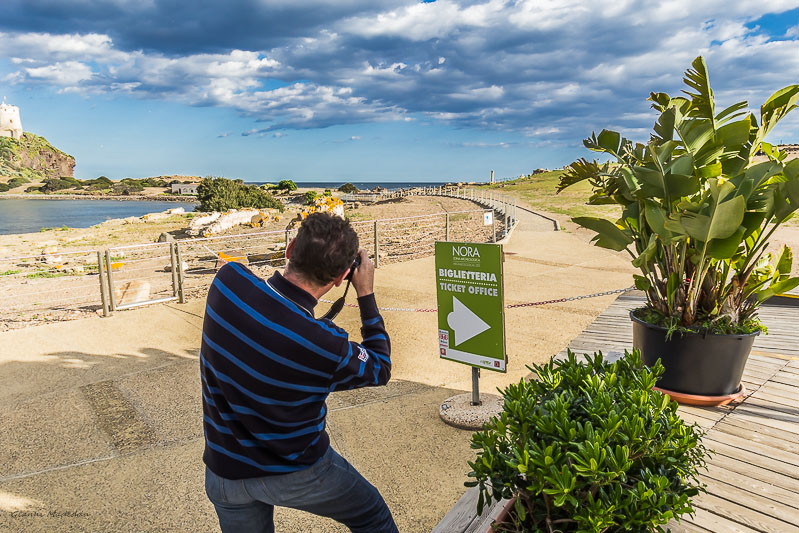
(471, 314)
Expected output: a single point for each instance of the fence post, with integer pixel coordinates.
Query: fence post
(377, 247)
(179, 258)
(103, 287)
(446, 228)
(493, 226)
(175, 267)
(110, 271)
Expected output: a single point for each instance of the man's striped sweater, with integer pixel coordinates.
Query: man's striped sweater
(267, 367)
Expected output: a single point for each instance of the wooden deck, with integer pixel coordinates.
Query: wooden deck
(753, 477)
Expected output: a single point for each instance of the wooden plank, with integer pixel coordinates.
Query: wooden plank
(755, 486)
(785, 516)
(685, 526)
(790, 414)
(788, 389)
(787, 400)
(714, 414)
(462, 515)
(757, 415)
(774, 438)
(767, 432)
(717, 524)
(766, 450)
(481, 524)
(754, 471)
(743, 515)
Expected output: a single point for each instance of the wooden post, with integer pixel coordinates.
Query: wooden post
(446, 227)
(175, 268)
(103, 287)
(377, 247)
(110, 271)
(181, 289)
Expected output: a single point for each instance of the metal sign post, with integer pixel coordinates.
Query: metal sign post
(471, 321)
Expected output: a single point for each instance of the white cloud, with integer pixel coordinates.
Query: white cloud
(543, 68)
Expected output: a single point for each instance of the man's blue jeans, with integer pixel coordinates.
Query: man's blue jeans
(331, 488)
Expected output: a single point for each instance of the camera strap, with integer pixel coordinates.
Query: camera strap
(338, 305)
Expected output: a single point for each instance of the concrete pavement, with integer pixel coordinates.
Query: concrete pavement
(102, 417)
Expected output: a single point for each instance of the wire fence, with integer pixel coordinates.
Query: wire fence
(62, 284)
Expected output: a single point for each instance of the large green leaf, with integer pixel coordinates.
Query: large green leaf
(656, 217)
(702, 98)
(780, 287)
(734, 111)
(679, 185)
(664, 127)
(782, 267)
(608, 234)
(777, 106)
(647, 255)
(734, 135)
(722, 223)
(726, 248)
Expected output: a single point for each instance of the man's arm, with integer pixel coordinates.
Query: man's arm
(368, 363)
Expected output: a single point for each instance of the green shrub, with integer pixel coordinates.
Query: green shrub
(127, 187)
(57, 184)
(287, 185)
(4, 187)
(221, 194)
(348, 188)
(309, 197)
(33, 189)
(13, 183)
(328, 192)
(589, 447)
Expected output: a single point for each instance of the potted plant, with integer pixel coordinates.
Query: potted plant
(588, 446)
(697, 215)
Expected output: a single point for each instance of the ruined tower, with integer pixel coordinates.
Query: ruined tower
(10, 123)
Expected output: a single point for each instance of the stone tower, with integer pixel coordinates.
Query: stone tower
(10, 123)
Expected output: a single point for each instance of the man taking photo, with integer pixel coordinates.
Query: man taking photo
(267, 366)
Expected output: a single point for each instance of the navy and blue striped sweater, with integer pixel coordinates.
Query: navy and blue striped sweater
(267, 367)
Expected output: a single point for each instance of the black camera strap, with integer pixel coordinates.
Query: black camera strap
(338, 305)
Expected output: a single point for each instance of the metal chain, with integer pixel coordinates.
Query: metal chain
(511, 306)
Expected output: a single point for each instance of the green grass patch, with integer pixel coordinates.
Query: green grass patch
(46, 274)
(10, 272)
(538, 191)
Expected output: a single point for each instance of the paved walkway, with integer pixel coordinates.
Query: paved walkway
(101, 417)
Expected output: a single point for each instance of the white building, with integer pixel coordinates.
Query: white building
(184, 188)
(10, 123)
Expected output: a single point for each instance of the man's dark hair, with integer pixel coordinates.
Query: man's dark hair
(325, 246)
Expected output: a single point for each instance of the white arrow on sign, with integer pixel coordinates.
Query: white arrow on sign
(464, 323)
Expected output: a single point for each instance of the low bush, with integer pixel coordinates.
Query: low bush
(4, 187)
(590, 447)
(13, 183)
(309, 197)
(287, 185)
(348, 188)
(221, 194)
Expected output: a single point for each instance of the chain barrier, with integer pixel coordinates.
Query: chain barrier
(510, 306)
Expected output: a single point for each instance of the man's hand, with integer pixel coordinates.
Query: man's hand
(363, 279)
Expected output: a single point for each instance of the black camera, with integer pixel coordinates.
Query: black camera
(355, 264)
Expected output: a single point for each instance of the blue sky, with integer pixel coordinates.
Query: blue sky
(379, 90)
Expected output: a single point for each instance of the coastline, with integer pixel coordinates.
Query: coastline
(131, 198)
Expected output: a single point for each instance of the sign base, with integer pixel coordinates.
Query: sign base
(459, 412)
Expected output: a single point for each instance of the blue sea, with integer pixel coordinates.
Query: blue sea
(31, 215)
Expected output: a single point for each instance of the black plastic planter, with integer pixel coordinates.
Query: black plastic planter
(706, 365)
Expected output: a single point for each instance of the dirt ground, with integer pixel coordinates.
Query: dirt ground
(29, 294)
